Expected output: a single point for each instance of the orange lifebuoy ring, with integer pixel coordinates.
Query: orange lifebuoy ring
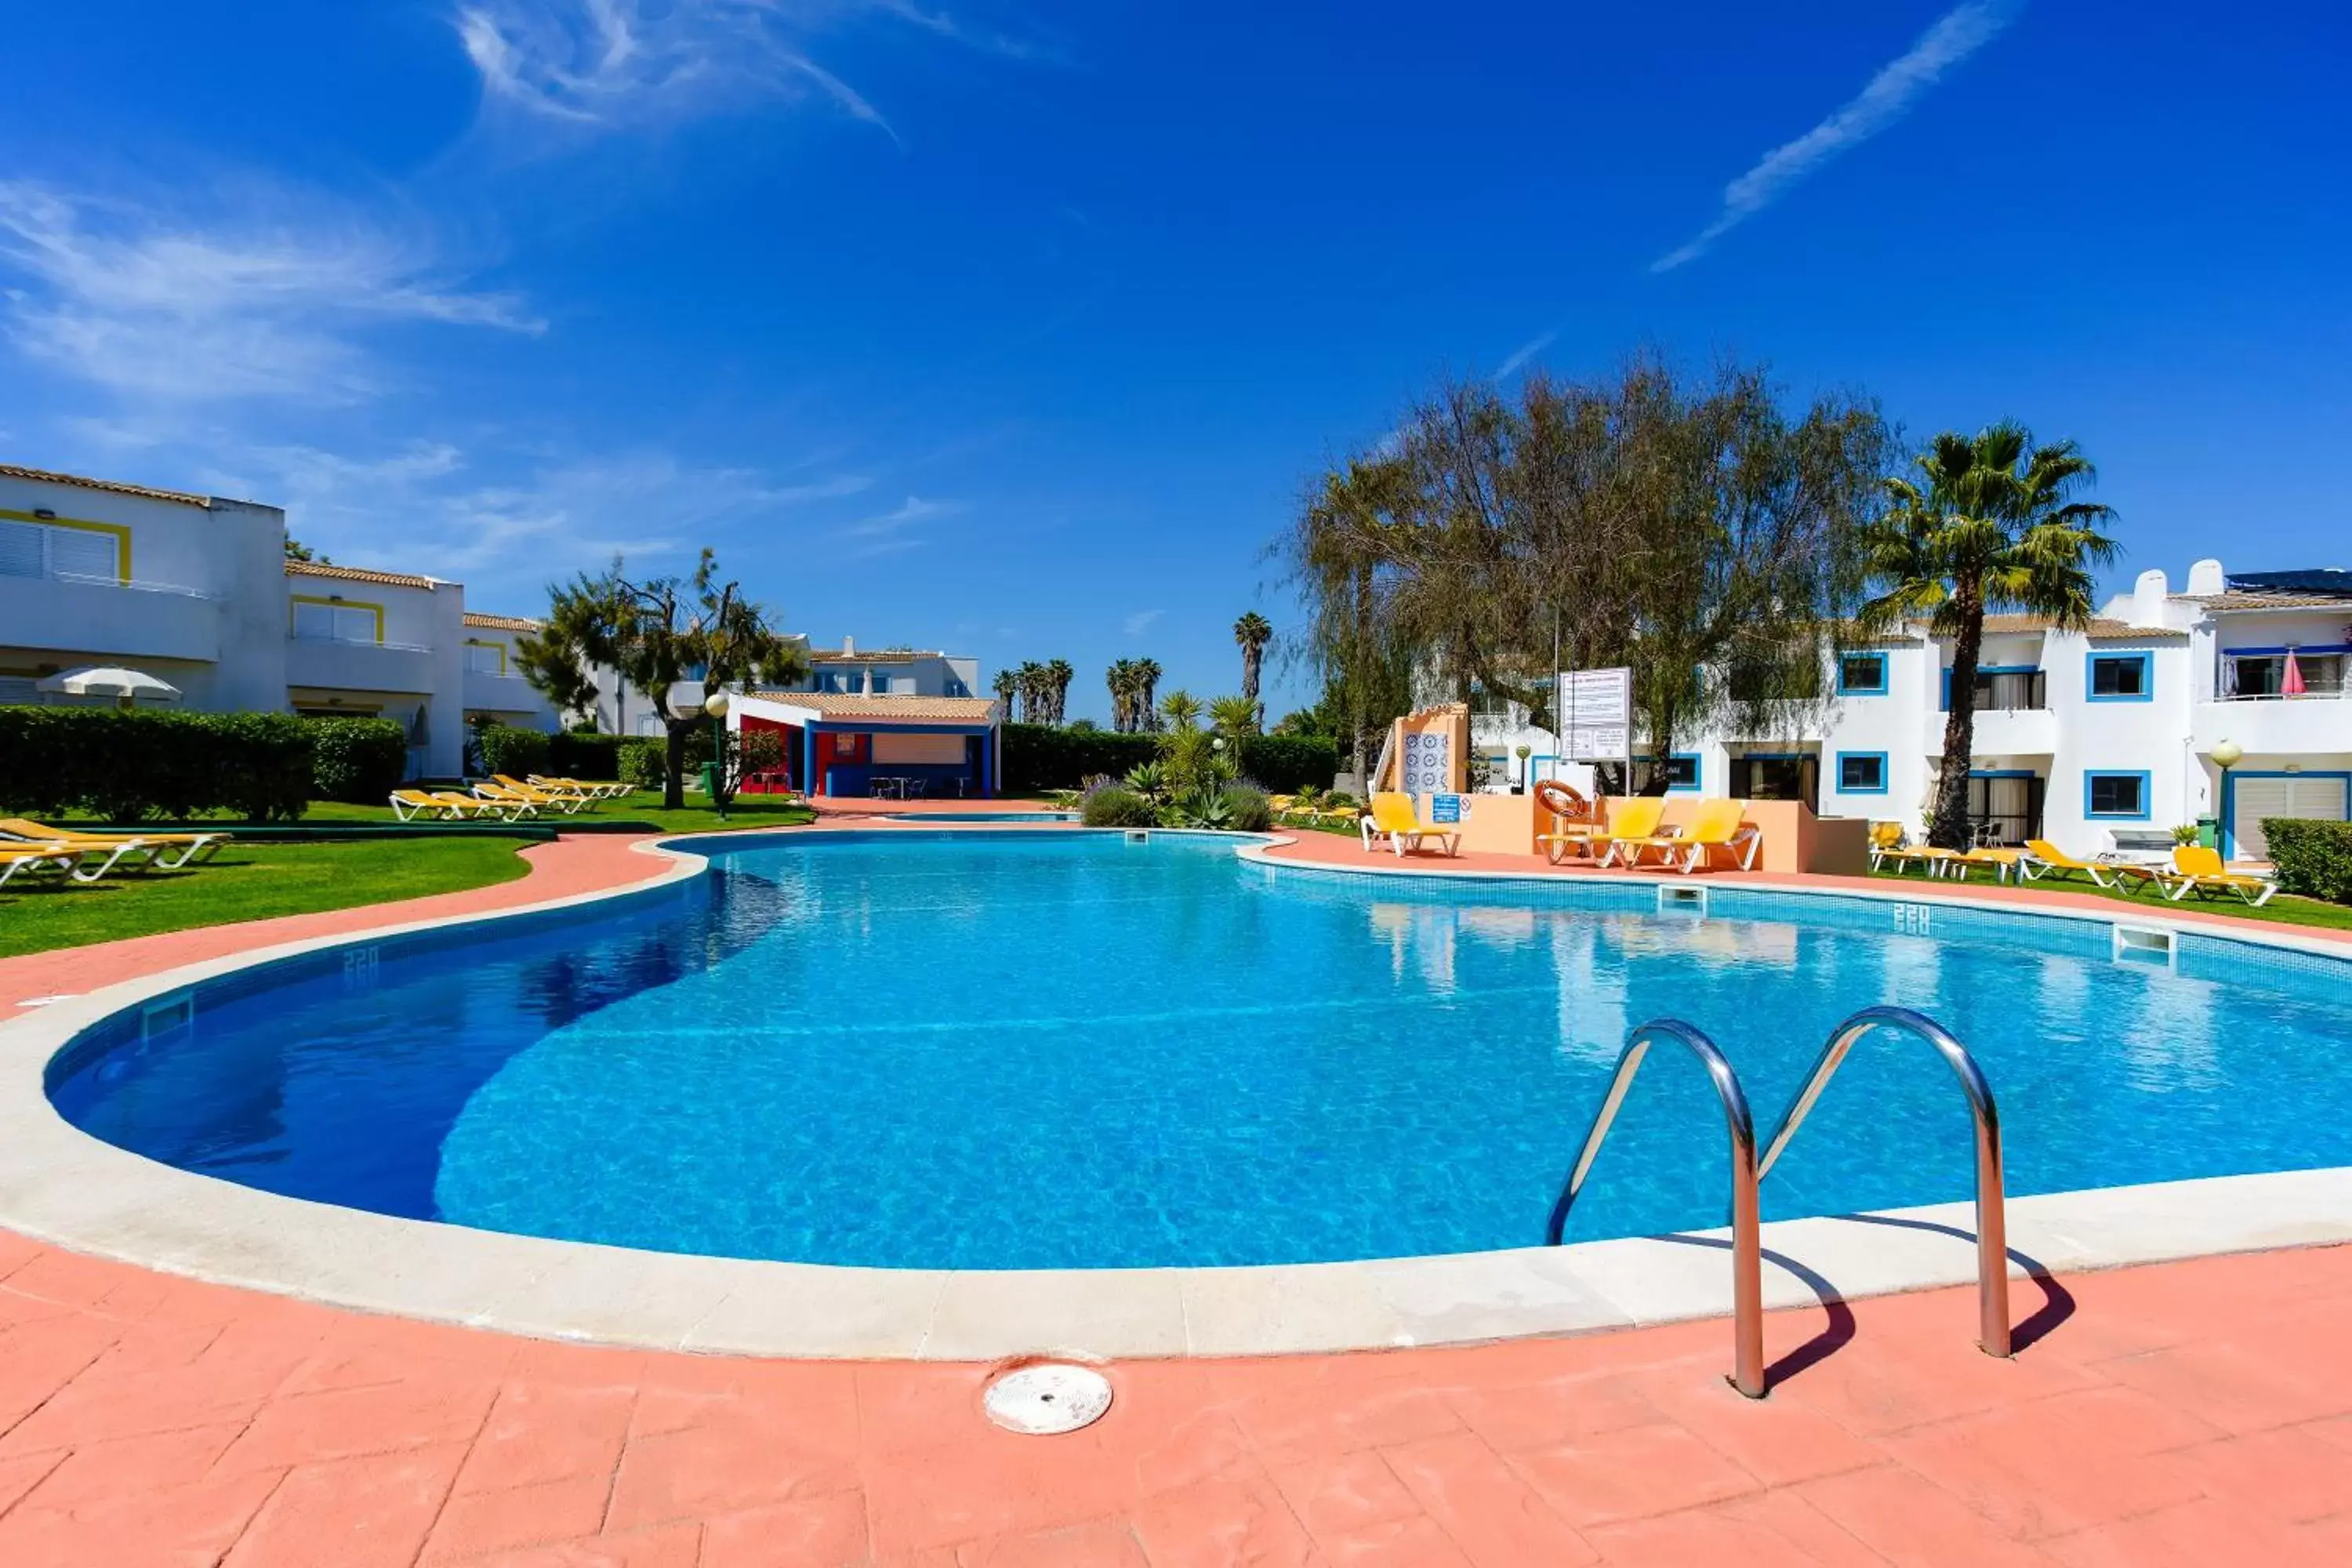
(1562, 801)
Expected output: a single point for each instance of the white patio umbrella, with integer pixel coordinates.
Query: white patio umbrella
(107, 680)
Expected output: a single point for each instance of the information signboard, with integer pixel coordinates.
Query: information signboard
(1445, 808)
(1596, 715)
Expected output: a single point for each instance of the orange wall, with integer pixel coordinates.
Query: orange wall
(1794, 839)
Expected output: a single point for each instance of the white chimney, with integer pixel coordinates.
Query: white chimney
(848, 645)
(2148, 598)
(2205, 577)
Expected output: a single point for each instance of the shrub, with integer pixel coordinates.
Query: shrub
(584, 756)
(1039, 757)
(511, 750)
(1288, 763)
(1201, 808)
(640, 762)
(357, 760)
(2313, 858)
(125, 766)
(1113, 806)
(1251, 810)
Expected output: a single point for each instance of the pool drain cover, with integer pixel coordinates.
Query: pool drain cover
(1050, 1397)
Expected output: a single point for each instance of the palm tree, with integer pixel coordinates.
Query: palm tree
(1058, 675)
(1180, 709)
(1006, 683)
(1991, 528)
(1252, 632)
(1033, 695)
(1234, 717)
(1146, 692)
(1120, 679)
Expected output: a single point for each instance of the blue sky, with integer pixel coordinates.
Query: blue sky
(1019, 329)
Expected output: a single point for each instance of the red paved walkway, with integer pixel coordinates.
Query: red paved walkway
(2197, 1413)
(2191, 1413)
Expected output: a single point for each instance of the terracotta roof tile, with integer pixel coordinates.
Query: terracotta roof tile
(2240, 601)
(43, 476)
(358, 575)
(853, 705)
(2102, 627)
(501, 623)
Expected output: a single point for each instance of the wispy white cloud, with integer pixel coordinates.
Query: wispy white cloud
(889, 532)
(272, 299)
(1518, 357)
(1888, 96)
(1136, 625)
(621, 64)
(425, 507)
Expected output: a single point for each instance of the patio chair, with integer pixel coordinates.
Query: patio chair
(1634, 821)
(30, 862)
(1394, 817)
(194, 849)
(570, 801)
(1717, 824)
(2198, 871)
(1574, 820)
(567, 804)
(2046, 862)
(483, 805)
(599, 790)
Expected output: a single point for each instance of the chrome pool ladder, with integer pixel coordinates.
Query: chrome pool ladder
(1748, 1171)
(1992, 1206)
(1747, 1242)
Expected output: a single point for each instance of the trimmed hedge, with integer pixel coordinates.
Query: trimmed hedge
(357, 760)
(512, 750)
(1288, 763)
(1040, 757)
(597, 758)
(2313, 858)
(150, 762)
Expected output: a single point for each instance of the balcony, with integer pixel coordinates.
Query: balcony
(104, 618)
(500, 693)
(2012, 733)
(330, 664)
(2274, 726)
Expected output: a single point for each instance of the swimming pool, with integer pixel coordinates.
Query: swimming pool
(1052, 1049)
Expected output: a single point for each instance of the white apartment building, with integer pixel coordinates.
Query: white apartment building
(2096, 739)
(197, 591)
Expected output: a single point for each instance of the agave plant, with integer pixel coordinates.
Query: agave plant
(1148, 780)
(1202, 808)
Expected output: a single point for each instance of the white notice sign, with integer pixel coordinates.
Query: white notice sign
(1596, 715)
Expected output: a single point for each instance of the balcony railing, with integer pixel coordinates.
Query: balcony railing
(137, 585)
(318, 639)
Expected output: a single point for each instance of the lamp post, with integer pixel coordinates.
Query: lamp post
(2226, 755)
(716, 706)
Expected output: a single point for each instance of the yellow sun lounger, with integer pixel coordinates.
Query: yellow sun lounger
(2198, 871)
(194, 849)
(30, 862)
(1394, 817)
(1632, 821)
(2046, 862)
(596, 790)
(566, 801)
(1717, 824)
(444, 806)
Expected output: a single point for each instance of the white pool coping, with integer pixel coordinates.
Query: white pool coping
(60, 1185)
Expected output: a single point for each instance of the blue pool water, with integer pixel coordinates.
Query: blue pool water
(1050, 1049)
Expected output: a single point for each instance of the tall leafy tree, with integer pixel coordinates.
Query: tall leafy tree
(1252, 633)
(1147, 687)
(1007, 685)
(661, 631)
(1989, 523)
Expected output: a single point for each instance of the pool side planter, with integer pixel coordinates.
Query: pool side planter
(60, 1185)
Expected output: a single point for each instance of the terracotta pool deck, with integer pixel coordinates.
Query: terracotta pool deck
(2197, 1412)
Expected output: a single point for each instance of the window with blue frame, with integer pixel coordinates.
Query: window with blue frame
(1682, 770)
(1861, 773)
(2115, 794)
(1862, 675)
(2121, 677)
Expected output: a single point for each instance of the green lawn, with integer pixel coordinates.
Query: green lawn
(2282, 910)
(249, 882)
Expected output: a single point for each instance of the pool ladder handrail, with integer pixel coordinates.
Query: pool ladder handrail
(1992, 1215)
(1747, 1239)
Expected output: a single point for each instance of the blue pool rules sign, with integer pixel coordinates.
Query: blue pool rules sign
(1445, 808)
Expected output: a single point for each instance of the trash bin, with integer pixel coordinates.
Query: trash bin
(2209, 832)
(708, 774)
